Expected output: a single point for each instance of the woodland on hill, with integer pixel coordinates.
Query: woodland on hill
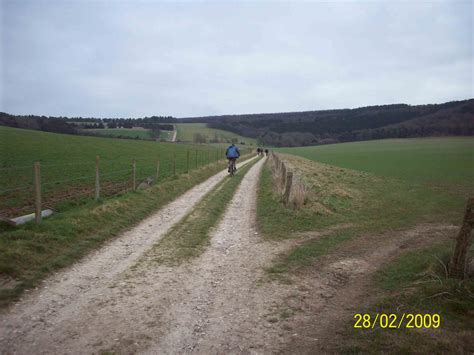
(332, 126)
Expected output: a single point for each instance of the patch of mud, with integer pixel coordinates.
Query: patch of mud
(349, 267)
(8, 283)
(320, 233)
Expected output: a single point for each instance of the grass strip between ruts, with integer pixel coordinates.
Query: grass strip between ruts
(190, 236)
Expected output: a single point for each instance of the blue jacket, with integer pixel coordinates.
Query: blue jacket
(232, 152)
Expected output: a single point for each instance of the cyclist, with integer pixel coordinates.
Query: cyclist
(232, 153)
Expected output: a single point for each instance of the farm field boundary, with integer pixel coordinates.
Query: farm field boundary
(73, 168)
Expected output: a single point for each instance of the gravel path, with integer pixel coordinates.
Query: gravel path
(216, 304)
(58, 317)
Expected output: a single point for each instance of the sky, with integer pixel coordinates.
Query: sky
(193, 58)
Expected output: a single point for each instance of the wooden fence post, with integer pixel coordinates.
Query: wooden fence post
(289, 181)
(208, 156)
(457, 265)
(38, 192)
(134, 174)
(283, 177)
(187, 162)
(174, 163)
(97, 178)
(157, 170)
(196, 159)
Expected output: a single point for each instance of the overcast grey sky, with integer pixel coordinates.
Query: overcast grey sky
(142, 58)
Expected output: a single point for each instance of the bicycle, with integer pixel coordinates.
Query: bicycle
(232, 168)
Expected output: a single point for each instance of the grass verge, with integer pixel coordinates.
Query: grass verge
(190, 237)
(30, 252)
(339, 196)
(336, 197)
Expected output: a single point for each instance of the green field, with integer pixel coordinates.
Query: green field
(68, 164)
(122, 132)
(165, 136)
(187, 131)
(445, 162)
(363, 194)
(137, 133)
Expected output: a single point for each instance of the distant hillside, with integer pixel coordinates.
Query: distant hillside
(80, 125)
(331, 126)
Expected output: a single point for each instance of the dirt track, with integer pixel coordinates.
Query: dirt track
(59, 311)
(219, 302)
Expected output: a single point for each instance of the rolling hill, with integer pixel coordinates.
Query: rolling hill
(366, 123)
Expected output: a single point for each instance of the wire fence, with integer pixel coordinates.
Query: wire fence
(50, 185)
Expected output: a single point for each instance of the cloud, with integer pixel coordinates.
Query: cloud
(130, 59)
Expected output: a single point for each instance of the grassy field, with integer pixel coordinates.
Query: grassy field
(122, 132)
(68, 164)
(355, 190)
(165, 136)
(445, 162)
(186, 132)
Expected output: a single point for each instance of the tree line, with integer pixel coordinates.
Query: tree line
(77, 125)
(332, 126)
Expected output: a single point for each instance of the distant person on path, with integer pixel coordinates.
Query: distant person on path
(266, 152)
(232, 153)
(259, 150)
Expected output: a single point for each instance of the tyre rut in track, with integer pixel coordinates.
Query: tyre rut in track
(216, 304)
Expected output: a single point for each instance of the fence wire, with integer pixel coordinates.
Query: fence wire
(73, 181)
